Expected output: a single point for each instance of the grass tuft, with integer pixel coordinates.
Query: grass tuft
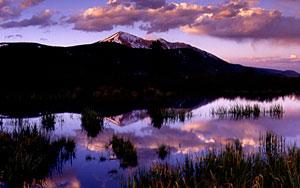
(125, 151)
(274, 165)
(91, 122)
(161, 116)
(28, 157)
(163, 151)
(247, 111)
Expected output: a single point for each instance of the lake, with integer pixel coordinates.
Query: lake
(92, 162)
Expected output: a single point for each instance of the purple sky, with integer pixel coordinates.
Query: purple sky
(263, 33)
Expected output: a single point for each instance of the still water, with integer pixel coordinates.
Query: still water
(93, 163)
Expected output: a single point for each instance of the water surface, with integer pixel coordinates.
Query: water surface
(191, 134)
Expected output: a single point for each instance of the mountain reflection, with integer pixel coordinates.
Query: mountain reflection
(28, 156)
(138, 141)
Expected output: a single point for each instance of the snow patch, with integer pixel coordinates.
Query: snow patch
(132, 41)
(128, 40)
(137, 42)
(3, 45)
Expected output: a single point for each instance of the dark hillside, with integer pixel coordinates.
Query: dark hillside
(108, 73)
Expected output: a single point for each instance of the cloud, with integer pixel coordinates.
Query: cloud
(291, 62)
(14, 36)
(155, 20)
(238, 22)
(263, 60)
(3, 3)
(139, 3)
(43, 39)
(29, 3)
(172, 16)
(42, 19)
(105, 18)
(287, 1)
(293, 57)
(254, 23)
(8, 10)
(234, 19)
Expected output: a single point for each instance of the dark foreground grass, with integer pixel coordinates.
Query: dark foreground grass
(28, 157)
(274, 165)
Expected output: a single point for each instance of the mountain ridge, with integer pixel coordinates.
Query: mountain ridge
(112, 74)
(134, 42)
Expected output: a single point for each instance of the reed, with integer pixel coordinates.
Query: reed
(48, 121)
(276, 111)
(274, 165)
(162, 116)
(28, 157)
(91, 122)
(163, 151)
(125, 151)
(247, 111)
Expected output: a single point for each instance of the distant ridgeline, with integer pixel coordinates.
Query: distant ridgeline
(126, 69)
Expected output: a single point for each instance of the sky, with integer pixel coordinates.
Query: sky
(262, 33)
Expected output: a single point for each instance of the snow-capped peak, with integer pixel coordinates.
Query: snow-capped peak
(137, 42)
(128, 40)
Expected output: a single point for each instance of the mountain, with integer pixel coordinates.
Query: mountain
(123, 72)
(124, 62)
(132, 41)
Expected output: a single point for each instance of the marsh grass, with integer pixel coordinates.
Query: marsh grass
(274, 165)
(125, 151)
(102, 158)
(239, 111)
(91, 122)
(89, 158)
(163, 151)
(161, 116)
(28, 157)
(48, 121)
(276, 111)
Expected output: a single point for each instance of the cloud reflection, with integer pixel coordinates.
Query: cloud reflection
(193, 136)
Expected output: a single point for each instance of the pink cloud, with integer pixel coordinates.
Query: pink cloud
(7, 10)
(252, 23)
(291, 62)
(155, 20)
(139, 3)
(236, 19)
(105, 18)
(42, 19)
(10, 9)
(29, 3)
